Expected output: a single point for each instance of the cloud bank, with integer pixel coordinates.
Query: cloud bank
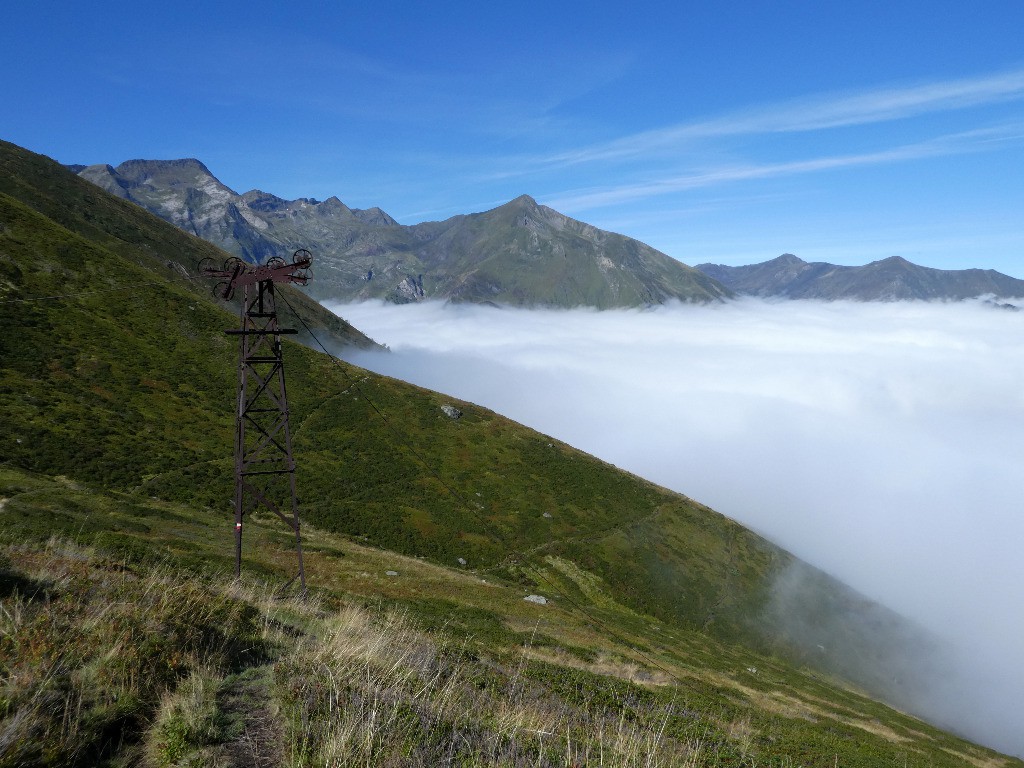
(879, 442)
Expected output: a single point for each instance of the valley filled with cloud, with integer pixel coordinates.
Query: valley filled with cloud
(879, 442)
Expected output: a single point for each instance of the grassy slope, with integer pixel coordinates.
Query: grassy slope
(121, 641)
(145, 414)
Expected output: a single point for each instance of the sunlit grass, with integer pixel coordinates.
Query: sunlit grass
(151, 654)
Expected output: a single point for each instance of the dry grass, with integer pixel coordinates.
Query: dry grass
(186, 718)
(103, 663)
(89, 648)
(375, 691)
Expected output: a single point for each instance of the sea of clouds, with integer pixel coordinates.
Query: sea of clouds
(882, 443)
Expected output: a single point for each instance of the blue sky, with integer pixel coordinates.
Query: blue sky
(723, 132)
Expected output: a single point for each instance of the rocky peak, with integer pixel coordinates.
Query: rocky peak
(185, 168)
(259, 200)
(520, 206)
(892, 261)
(787, 259)
(374, 216)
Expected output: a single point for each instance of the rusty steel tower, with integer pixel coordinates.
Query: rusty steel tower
(264, 464)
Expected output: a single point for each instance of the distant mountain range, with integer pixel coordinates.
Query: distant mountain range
(520, 253)
(892, 279)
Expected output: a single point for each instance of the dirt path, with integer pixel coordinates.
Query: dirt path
(256, 736)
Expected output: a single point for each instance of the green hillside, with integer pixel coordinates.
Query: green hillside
(118, 399)
(137, 649)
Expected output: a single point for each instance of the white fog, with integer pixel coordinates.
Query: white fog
(879, 442)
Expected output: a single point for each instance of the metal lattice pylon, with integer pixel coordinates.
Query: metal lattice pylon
(264, 463)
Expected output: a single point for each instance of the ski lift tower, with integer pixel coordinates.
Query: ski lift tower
(264, 464)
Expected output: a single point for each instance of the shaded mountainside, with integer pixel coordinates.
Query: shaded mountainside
(892, 279)
(520, 253)
(118, 408)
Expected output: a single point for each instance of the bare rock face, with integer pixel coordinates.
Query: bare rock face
(411, 288)
(451, 411)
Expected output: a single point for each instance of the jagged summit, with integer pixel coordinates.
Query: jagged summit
(521, 201)
(257, 197)
(373, 216)
(892, 261)
(133, 174)
(129, 167)
(788, 259)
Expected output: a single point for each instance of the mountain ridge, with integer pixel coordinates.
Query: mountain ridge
(890, 279)
(520, 253)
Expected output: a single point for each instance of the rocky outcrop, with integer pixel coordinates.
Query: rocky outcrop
(451, 411)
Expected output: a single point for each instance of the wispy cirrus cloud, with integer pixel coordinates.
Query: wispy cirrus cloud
(952, 144)
(811, 114)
